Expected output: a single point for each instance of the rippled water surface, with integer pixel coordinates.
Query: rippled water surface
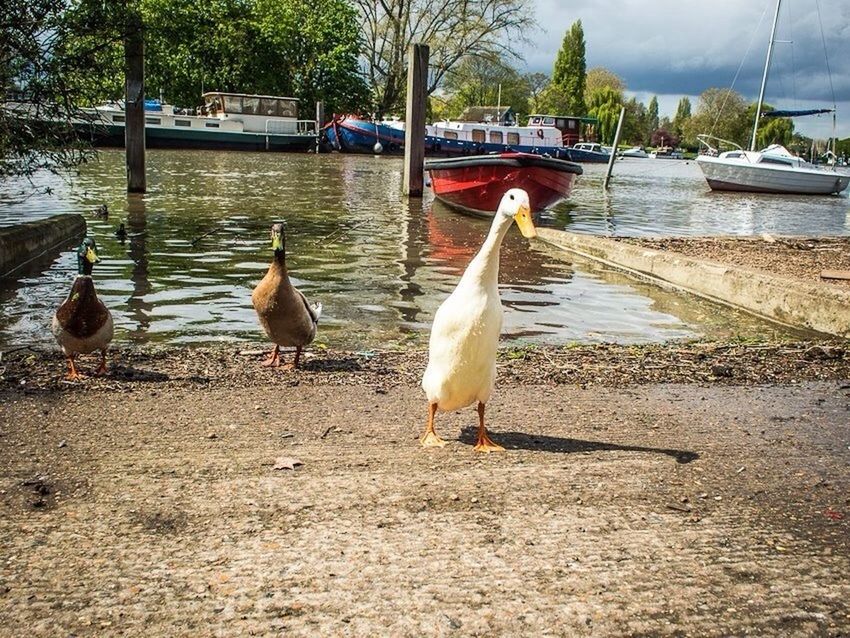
(199, 243)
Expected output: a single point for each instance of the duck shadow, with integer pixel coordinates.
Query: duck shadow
(129, 373)
(338, 364)
(560, 445)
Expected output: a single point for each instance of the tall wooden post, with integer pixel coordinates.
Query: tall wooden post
(320, 122)
(414, 125)
(134, 98)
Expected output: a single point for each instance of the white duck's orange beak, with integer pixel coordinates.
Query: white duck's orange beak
(523, 220)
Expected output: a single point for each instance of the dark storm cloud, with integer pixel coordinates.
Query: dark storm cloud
(686, 46)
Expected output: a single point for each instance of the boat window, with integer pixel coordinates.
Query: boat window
(735, 154)
(153, 120)
(478, 135)
(182, 123)
(269, 107)
(232, 104)
(450, 135)
(534, 120)
(549, 121)
(561, 123)
(211, 124)
(513, 139)
(572, 124)
(288, 108)
(117, 118)
(496, 137)
(251, 106)
(776, 160)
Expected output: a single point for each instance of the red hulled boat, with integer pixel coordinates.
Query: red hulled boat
(476, 184)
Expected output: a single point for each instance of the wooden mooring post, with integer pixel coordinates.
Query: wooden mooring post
(414, 125)
(320, 122)
(134, 107)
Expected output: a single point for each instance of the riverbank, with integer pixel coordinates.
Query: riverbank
(799, 258)
(690, 489)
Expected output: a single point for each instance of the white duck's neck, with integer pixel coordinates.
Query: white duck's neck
(484, 268)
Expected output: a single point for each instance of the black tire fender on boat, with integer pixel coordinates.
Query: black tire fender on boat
(540, 133)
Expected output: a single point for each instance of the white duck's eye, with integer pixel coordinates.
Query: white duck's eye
(512, 196)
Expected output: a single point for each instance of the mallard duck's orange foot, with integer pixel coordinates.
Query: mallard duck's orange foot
(101, 370)
(289, 366)
(272, 362)
(430, 439)
(74, 376)
(486, 444)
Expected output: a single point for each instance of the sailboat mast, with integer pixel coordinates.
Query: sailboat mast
(764, 77)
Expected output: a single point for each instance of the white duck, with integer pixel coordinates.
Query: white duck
(465, 333)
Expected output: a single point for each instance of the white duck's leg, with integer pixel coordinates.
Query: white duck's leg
(274, 358)
(485, 443)
(430, 438)
(102, 368)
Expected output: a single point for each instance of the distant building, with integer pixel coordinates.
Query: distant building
(503, 115)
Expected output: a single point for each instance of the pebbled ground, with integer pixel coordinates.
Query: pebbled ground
(663, 509)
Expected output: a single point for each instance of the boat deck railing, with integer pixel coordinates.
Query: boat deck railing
(291, 127)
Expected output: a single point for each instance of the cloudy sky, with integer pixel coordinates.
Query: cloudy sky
(672, 48)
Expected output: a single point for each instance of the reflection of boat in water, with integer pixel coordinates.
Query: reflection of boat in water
(773, 169)
(476, 184)
(226, 121)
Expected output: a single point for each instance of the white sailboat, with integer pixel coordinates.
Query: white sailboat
(773, 169)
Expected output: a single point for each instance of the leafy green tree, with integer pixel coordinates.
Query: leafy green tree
(773, 130)
(453, 29)
(720, 112)
(536, 83)
(683, 114)
(652, 115)
(600, 77)
(39, 77)
(566, 92)
(634, 124)
(476, 81)
(605, 104)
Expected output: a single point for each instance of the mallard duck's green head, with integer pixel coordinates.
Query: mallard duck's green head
(279, 239)
(87, 256)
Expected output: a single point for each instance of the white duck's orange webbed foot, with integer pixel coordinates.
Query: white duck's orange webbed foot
(430, 439)
(486, 444)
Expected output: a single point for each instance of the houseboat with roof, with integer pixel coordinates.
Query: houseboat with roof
(225, 121)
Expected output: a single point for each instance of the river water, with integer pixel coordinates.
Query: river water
(199, 242)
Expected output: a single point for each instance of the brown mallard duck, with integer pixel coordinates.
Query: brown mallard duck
(83, 324)
(284, 313)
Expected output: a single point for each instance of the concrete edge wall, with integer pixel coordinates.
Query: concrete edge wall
(786, 301)
(21, 243)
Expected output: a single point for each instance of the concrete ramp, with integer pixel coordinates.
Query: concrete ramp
(787, 301)
(22, 243)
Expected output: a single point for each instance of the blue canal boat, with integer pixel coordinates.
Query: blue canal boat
(352, 134)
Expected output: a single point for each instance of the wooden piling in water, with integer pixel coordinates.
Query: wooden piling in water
(414, 126)
(320, 121)
(134, 107)
(614, 149)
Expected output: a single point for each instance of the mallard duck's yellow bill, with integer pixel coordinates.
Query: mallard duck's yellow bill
(523, 220)
(276, 243)
(91, 256)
